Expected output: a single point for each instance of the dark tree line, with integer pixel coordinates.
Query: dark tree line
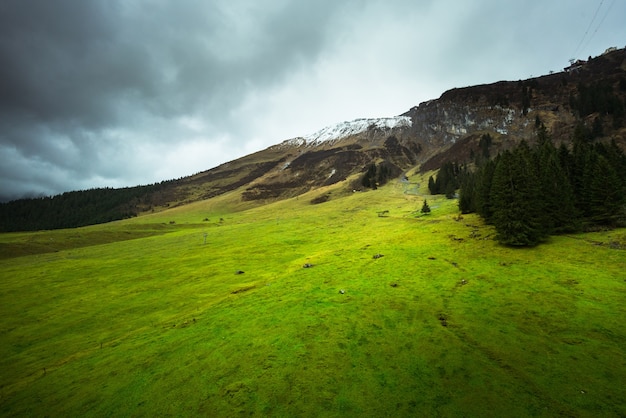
(73, 209)
(530, 193)
(447, 180)
(376, 175)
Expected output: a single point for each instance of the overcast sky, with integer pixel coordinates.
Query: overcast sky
(98, 93)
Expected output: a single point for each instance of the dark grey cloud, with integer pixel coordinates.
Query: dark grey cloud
(122, 92)
(75, 70)
(82, 61)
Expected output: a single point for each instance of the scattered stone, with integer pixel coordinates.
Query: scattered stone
(443, 320)
(342, 291)
(394, 284)
(463, 282)
(376, 256)
(454, 264)
(431, 258)
(320, 199)
(307, 266)
(239, 272)
(243, 289)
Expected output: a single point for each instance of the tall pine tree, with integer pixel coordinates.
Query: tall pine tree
(557, 197)
(467, 195)
(602, 194)
(514, 195)
(482, 196)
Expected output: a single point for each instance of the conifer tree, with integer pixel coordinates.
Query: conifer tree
(557, 197)
(425, 208)
(432, 186)
(467, 195)
(482, 196)
(603, 198)
(369, 180)
(514, 195)
(450, 189)
(447, 180)
(580, 172)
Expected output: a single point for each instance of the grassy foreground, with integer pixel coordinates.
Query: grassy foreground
(142, 318)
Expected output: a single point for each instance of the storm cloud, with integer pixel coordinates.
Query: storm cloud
(119, 93)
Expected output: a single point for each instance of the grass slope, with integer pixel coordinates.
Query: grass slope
(161, 324)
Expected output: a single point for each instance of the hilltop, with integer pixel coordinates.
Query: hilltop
(588, 97)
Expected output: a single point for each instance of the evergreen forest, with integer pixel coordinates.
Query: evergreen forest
(376, 175)
(74, 209)
(531, 192)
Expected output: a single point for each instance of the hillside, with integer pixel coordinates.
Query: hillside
(234, 293)
(588, 98)
(360, 306)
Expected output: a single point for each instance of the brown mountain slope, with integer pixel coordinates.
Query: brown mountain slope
(445, 129)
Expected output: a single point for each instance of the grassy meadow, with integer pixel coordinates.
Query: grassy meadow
(143, 318)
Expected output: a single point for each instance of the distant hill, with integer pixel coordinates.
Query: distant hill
(586, 97)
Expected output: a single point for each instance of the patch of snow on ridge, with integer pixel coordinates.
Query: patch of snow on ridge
(294, 142)
(343, 129)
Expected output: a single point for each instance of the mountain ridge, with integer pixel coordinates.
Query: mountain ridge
(588, 97)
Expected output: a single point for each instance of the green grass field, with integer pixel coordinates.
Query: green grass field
(142, 318)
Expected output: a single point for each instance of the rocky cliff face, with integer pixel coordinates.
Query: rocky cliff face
(450, 127)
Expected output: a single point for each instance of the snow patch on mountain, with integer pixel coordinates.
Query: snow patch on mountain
(344, 129)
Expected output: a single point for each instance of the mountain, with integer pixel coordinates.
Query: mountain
(587, 99)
